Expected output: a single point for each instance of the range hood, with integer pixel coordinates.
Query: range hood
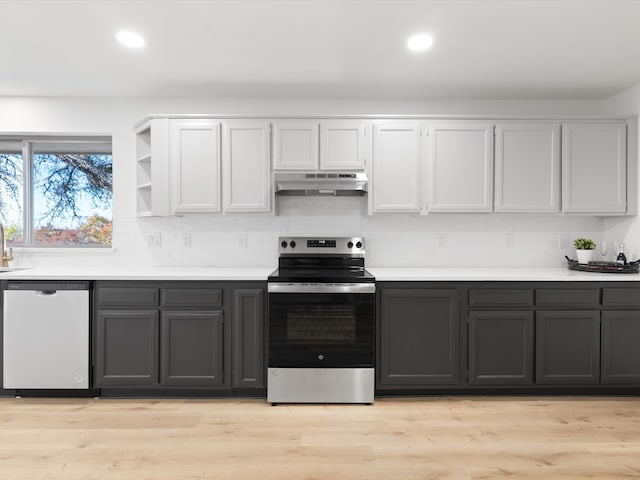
(320, 184)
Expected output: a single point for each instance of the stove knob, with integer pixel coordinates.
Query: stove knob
(320, 357)
(359, 245)
(292, 244)
(284, 244)
(350, 244)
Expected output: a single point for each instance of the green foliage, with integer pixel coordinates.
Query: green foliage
(96, 230)
(13, 233)
(584, 244)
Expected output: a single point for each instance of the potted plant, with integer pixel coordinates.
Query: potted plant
(584, 249)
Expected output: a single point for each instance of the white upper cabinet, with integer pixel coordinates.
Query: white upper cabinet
(594, 168)
(527, 167)
(295, 145)
(246, 174)
(396, 167)
(194, 147)
(308, 146)
(460, 167)
(342, 145)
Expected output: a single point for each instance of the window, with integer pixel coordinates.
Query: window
(56, 191)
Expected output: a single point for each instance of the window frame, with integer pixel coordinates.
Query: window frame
(28, 187)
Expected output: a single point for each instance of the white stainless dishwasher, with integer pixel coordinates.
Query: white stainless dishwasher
(46, 335)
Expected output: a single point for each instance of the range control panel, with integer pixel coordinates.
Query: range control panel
(321, 246)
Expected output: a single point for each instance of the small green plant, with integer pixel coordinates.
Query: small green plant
(584, 244)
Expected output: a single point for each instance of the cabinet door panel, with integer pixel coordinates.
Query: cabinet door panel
(191, 297)
(501, 297)
(419, 337)
(527, 172)
(195, 160)
(620, 349)
(568, 297)
(295, 145)
(396, 167)
(192, 348)
(131, 297)
(246, 166)
(461, 167)
(501, 348)
(621, 297)
(342, 145)
(248, 334)
(594, 163)
(568, 347)
(126, 348)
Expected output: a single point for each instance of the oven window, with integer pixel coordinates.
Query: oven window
(322, 324)
(323, 330)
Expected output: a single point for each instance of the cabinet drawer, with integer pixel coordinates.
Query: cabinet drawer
(500, 297)
(129, 297)
(621, 297)
(579, 297)
(191, 297)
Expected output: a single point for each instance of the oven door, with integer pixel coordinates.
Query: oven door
(321, 325)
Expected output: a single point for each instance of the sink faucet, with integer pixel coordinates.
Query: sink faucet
(6, 256)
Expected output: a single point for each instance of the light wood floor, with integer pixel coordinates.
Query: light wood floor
(425, 438)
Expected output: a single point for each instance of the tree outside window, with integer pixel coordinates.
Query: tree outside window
(56, 191)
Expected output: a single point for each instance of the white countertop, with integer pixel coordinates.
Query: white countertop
(435, 274)
(496, 274)
(136, 273)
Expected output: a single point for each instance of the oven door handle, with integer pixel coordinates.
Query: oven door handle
(321, 288)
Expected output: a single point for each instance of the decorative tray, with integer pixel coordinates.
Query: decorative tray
(603, 267)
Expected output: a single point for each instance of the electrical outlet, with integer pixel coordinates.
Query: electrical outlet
(186, 240)
(563, 242)
(242, 240)
(508, 240)
(154, 240)
(442, 240)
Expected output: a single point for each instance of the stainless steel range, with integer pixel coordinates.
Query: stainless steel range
(321, 322)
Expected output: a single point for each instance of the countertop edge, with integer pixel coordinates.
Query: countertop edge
(382, 274)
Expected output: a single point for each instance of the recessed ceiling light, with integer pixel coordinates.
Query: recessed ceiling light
(419, 42)
(130, 39)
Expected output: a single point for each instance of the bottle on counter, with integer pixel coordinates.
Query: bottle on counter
(622, 258)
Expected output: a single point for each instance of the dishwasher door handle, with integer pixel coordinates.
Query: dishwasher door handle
(46, 293)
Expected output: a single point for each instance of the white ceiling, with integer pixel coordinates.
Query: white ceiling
(492, 49)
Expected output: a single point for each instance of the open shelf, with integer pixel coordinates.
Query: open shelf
(152, 168)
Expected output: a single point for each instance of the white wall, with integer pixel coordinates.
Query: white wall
(624, 229)
(393, 240)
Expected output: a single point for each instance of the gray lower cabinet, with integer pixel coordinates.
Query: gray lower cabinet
(621, 346)
(418, 337)
(126, 347)
(191, 349)
(501, 348)
(179, 336)
(568, 347)
(248, 338)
